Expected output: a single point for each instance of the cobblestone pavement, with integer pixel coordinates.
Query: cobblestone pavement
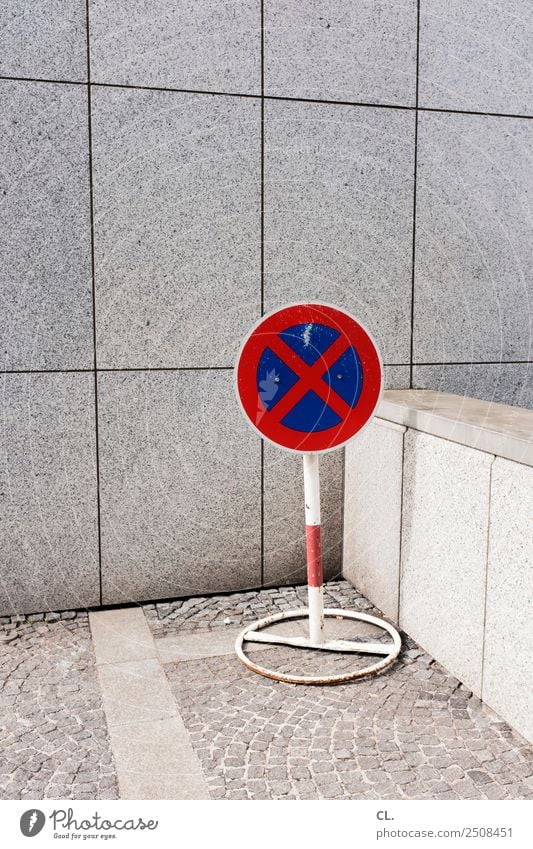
(53, 735)
(196, 614)
(414, 732)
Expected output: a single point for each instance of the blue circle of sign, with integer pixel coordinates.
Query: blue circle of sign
(275, 378)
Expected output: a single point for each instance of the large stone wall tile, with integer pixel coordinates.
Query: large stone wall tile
(340, 50)
(396, 377)
(185, 44)
(373, 514)
(177, 223)
(476, 56)
(48, 500)
(474, 265)
(339, 213)
(180, 486)
(503, 383)
(444, 551)
(43, 40)
(284, 516)
(508, 659)
(45, 270)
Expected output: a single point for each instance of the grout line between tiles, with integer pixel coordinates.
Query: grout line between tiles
(486, 580)
(93, 295)
(285, 98)
(230, 368)
(262, 274)
(400, 547)
(415, 167)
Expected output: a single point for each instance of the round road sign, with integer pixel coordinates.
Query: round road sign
(308, 377)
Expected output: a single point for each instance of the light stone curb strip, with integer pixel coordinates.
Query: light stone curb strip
(497, 429)
(153, 754)
(179, 647)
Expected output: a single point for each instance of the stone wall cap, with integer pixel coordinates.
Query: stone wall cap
(498, 429)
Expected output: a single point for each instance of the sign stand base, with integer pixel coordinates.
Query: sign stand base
(315, 611)
(252, 634)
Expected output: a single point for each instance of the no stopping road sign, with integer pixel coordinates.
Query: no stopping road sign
(309, 377)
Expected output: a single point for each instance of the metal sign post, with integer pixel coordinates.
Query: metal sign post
(308, 379)
(313, 537)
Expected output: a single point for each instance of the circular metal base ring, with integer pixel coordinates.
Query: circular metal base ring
(319, 679)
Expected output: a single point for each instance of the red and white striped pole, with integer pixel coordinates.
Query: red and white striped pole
(315, 581)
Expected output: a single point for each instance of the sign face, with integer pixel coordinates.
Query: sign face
(308, 377)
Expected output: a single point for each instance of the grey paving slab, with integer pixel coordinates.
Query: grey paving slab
(177, 223)
(187, 44)
(179, 471)
(495, 428)
(503, 383)
(151, 748)
(121, 636)
(338, 213)
(284, 515)
(155, 760)
(54, 742)
(476, 56)
(187, 646)
(48, 505)
(473, 260)
(444, 551)
(364, 52)
(135, 691)
(508, 656)
(175, 647)
(45, 274)
(44, 40)
(373, 514)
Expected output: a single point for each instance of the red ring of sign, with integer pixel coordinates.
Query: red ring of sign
(265, 333)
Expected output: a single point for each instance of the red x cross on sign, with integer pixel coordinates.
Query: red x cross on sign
(308, 377)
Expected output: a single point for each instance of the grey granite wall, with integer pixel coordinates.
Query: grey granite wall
(170, 171)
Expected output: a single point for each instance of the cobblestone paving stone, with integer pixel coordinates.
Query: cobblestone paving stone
(204, 613)
(53, 734)
(412, 733)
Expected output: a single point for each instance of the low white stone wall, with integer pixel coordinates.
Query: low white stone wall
(439, 535)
